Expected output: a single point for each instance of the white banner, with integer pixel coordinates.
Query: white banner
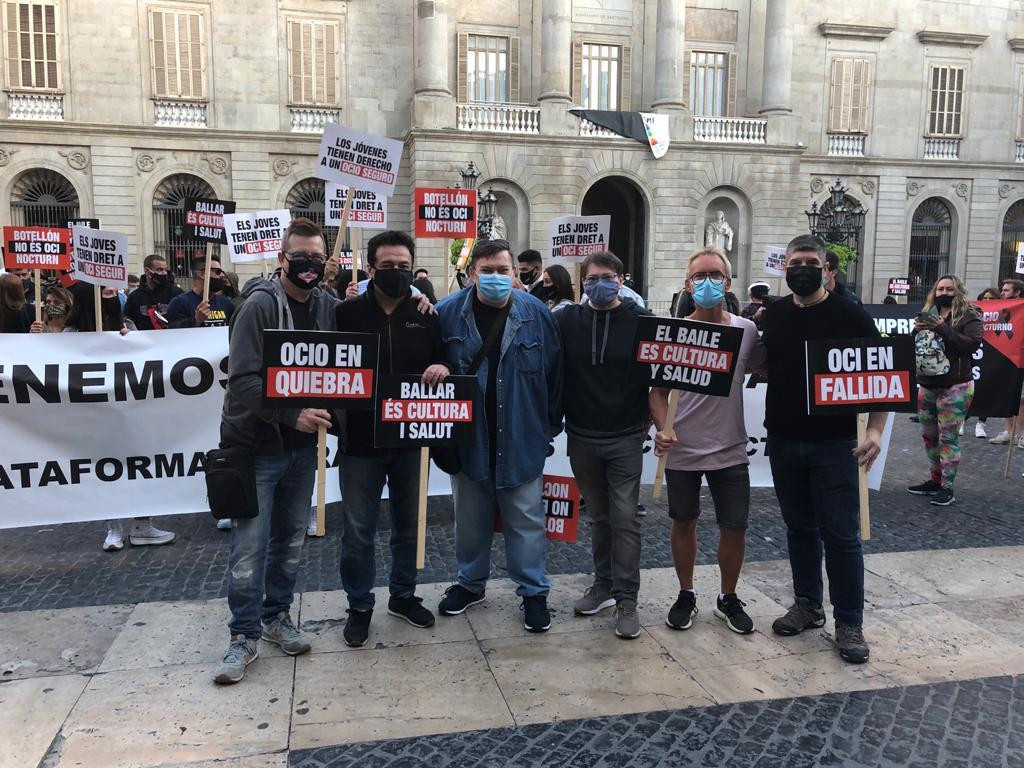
(99, 425)
(656, 126)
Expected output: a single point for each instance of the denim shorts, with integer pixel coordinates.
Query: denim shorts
(730, 491)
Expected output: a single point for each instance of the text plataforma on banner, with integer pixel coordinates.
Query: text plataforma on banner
(101, 256)
(685, 354)
(255, 236)
(319, 369)
(204, 219)
(861, 375)
(37, 248)
(449, 213)
(358, 159)
(412, 414)
(573, 238)
(369, 209)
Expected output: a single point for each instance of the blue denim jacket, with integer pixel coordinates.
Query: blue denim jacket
(529, 386)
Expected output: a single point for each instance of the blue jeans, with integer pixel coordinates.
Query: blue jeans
(522, 520)
(363, 478)
(265, 550)
(816, 484)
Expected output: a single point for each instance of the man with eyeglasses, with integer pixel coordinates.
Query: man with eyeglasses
(147, 305)
(709, 441)
(188, 310)
(605, 417)
(265, 550)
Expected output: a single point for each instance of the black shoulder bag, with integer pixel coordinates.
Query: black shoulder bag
(231, 483)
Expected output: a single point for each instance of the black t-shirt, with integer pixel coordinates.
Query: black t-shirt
(485, 317)
(786, 327)
(293, 438)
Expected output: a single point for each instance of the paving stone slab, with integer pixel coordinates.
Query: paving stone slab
(31, 713)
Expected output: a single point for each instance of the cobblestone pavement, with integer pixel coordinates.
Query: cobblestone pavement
(974, 723)
(63, 566)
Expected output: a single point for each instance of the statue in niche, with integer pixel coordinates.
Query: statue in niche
(719, 233)
(499, 231)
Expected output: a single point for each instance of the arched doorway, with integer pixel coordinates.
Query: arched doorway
(1013, 235)
(620, 198)
(306, 200)
(931, 236)
(169, 238)
(43, 198)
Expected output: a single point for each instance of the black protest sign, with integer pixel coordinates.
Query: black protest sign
(899, 286)
(204, 219)
(685, 354)
(861, 375)
(411, 414)
(90, 223)
(319, 369)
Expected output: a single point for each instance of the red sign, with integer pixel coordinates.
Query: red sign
(449, 213)
(863, 388)
(37, 248)
(319, 382)
(561, 498)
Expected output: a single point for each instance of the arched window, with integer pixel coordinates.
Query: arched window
(1013, 236)
(43, 198)
(931, 233)
(306, 200)
(169, 221)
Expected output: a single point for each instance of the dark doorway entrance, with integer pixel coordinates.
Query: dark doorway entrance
(620, 198)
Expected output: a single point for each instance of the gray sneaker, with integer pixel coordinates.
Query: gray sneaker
(627, 623)
(282, 632)
(851, 643)
(241, 653)
(802, 614)
(594, 600)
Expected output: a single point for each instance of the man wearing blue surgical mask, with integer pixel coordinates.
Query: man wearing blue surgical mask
(508, 340)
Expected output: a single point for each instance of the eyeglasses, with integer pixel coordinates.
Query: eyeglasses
(215, 271)
(593, 279)
(319, 258)
(717, 278)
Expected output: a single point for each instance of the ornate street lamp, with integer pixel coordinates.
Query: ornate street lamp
(469, 175)
(488, 207)
(835, 222)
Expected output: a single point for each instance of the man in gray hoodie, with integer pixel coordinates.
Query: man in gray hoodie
(265, 550)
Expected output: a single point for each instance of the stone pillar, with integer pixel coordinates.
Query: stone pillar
(433, 103)
(556, 51)
(777, 88)
(670, 56)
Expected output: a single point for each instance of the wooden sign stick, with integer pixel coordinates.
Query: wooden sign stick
(1009, 448)
(862, 481)
(669, 428)
(355, 237)
(421, 528)
(341, 226)
(39, 295)
(206, 278)
(97, 293)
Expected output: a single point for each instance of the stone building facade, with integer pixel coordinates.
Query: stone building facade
(117, 109)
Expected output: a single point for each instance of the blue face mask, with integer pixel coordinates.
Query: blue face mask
(602, 293)
(494, 288)
(708, 294)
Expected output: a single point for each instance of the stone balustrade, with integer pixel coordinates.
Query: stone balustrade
(936, 148)
(498, 118)
(35, 106)
(846, 144)
(730, 130)
(180, 114)
(312, 119)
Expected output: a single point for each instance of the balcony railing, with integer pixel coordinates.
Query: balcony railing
(498, 118)
(588, 128)
(312, 119)
(180, 114)
(1018, 155)
(730, 130)
(941, 149)
(846, 144)
(35, 106)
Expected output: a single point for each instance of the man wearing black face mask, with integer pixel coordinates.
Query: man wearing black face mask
(531, 273)
(814, 458)
(147, 305)
(190, 311)
(410, 343)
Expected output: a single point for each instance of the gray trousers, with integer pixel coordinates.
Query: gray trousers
(608, 474)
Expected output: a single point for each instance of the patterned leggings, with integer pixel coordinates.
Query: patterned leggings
(941, 412)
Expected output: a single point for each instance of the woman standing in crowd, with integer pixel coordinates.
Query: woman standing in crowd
(15, 311)
(559, 287)
(946, 335)
(58, 308)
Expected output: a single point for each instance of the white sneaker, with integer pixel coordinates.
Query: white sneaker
(1003, 438)
(311, 525)
(979, 430)
(961, 432)
(144, 534)
(115, 538)
(224, 524)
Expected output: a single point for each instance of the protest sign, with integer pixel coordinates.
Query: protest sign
(204, 219)
(573, 238)
(319, 369)
(1020, 259)
(775, 261)
(411, 414)
(255, 236)
(861, 375)
(36, 248)
(560, 496)
(685, 354)
(447, 213)
(899, 286)
(358, 159)
(90, 223)
(101, 256)
(369, 209)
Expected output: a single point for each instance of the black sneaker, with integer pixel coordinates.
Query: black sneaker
(680, 615)
(730, 608)
(357, 628)
(457, 599)
(942, 498)
(927, 488)
(851, 643)
(802, 614)
(537, 617)
(411, 609)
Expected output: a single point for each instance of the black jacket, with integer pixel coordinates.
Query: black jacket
(144, 298)
(409, 343)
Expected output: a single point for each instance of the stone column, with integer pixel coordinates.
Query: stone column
(433, 103)
(670, 56)
(556, 51)
(777, 87)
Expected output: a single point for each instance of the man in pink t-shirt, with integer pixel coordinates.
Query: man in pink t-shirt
(709, 440)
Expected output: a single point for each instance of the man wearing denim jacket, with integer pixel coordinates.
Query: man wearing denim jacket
(520, 383)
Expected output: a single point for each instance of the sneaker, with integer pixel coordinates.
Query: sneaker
(1003, 438)
(680, 615)
(241, 653)
(802, 614)
(457, 599)
(282, 632)
(730, 608)
(357, 628)
(411, 609)
(942, 499)
(627, 623)
(115, 538)
(961, 431)
(594, 600)
(851, 643)
(927, 488)
(144, 534)
(979, 430)
(224, 524)
(537, 617)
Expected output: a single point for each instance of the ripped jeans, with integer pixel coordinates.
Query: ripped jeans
(265, 550)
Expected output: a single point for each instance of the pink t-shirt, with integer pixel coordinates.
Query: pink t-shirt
(710, 431)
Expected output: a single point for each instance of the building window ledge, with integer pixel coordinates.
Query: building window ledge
(312, 119)
(846, 144)
(35, 105)
(942, 37)
(941, 148)
(730, 130)
(498, 117)
(179, 113)
(854, 31)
